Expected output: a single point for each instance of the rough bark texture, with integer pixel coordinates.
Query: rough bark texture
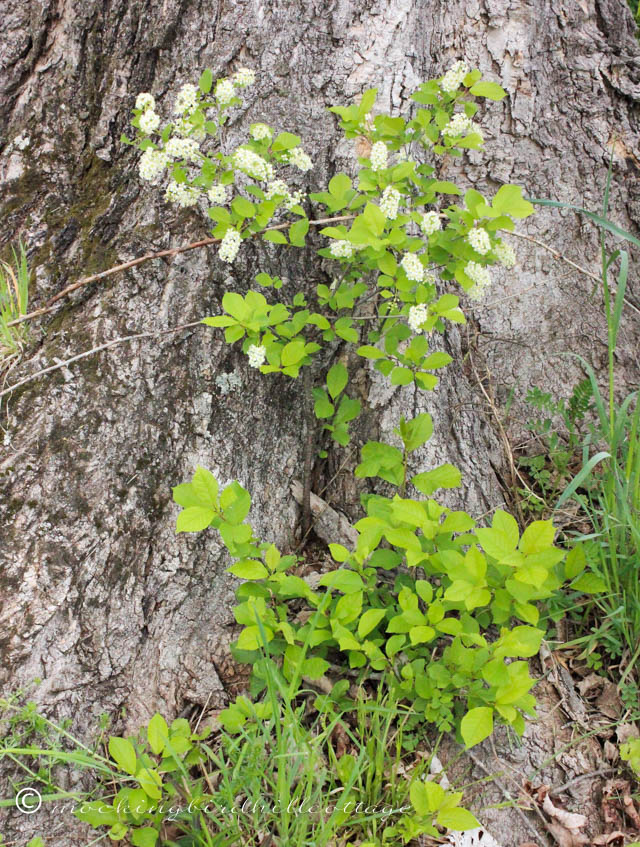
(100, 599)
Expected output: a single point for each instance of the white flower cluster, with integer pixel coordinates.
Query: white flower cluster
(481, 278)
(182, 194)
(229, 245)
(257, 355)
(342, 249)
(225, 92)
(186, 100)
(300, 159)
(148, 121)
(390, 202)
(217, 194)
(145, 101)
(279, 188)
(460, 124)
(479, 239)
(250, 163)
(378, 156)
(430, 223)
(244, 77)
(505, 254)
(452, 80)
(183, 148)
(417, 316)
(261, 132)
(152, 163)
(412, 267)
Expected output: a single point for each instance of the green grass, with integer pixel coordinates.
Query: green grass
(14, 300)
(607, 487)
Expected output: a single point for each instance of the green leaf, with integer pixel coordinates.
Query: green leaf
(122, 752)
(401, 376)
(184, 495)
(369, 352)
(509, 201)
(243, 207)
(457, 819)
(446, 476)
(249, 569)
(251, 639)
(537, 537)
(339, 185)
(293, 352)
(576, 562)
(297, 232)
(369, 621)
(344, 580)
(589, 583)
(150, 782)
(235, 503)
(97, 813)
(476, 725)
(274, 235)
(490, 90)
(285, 141)
(206, 80)
(416, 432)
(205, 487)
(426, 797)
(339, 553)
(157, 733)
(337, 379)
(323, 407)
(315, 668)
(194, 519)
(145, 837)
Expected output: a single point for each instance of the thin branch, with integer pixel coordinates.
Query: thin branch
(99, 349)
(562, 258)
(162, 254)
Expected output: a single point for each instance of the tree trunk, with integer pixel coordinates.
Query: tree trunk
(101, 600)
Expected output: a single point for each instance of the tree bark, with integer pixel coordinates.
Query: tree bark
(101, 600)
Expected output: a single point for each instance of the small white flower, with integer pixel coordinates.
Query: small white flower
(148, 122)
(230, 245)
(479, 239)
(505, 254)
(460, 124)
(481, 278)
(186, 100)
(412, 267)
(430, 223)
(182, 194)
(145, 101)
(417, 316)
(368, 122)
(225, 91)
(342, 249)
(452, 80)
(244, 77)
(378, 156)
(183, 148)
(389, 202)
(248, 162)
(217, 194)
(152, 164)
(300, 159)
(261, 132)
(257, 355)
